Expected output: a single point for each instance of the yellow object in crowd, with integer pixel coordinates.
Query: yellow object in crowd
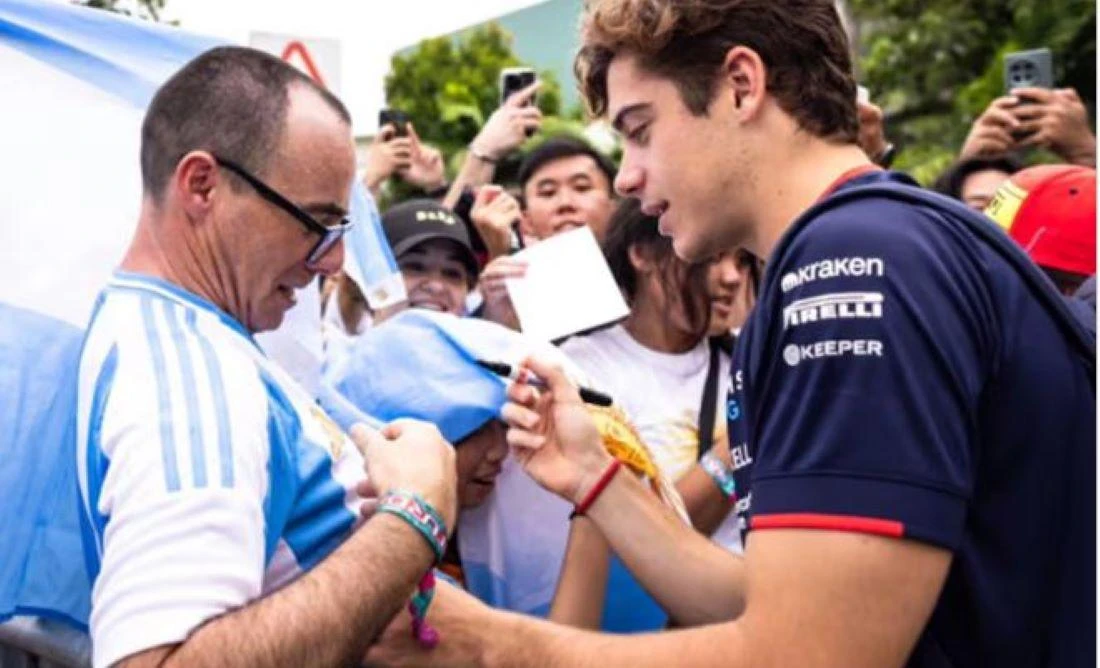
(622, 441)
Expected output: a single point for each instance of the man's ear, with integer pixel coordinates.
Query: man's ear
(745, 77)
(194, 183)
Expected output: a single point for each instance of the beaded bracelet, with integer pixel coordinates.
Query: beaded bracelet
(419, 513)
(721, 474)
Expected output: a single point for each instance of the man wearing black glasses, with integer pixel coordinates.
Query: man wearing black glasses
(223, 519)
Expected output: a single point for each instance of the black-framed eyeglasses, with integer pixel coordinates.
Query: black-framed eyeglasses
(330, 235)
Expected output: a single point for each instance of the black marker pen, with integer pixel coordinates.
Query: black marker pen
(588, 396)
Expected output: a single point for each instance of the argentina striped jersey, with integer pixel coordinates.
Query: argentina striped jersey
(208, 476)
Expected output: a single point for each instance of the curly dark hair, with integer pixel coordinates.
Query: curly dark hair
(801, 42)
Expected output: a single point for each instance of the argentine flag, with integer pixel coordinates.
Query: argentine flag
(76, 82)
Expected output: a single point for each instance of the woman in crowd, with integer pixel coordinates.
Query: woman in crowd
(663, 360)
(666, 367)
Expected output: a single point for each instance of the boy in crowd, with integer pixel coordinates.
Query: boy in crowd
(565, 184)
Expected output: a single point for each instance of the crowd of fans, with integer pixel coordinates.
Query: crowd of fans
(667, 363)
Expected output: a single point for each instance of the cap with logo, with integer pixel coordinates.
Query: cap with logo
(1050, 210)
(411, 223)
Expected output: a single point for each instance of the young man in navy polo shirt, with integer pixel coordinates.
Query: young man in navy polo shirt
(912, 432)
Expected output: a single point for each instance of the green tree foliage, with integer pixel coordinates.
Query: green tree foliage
(448, 86)
(934, 65)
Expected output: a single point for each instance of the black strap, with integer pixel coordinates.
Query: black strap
(708, 407)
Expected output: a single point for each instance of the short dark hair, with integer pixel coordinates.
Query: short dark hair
(631, 228)
(229, 100)
(951, 182)
(802, 43)
(564, 146)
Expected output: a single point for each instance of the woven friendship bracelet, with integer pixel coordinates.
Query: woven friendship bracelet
(721, 474)
(421, 515)
(426, 520)
(425, 635)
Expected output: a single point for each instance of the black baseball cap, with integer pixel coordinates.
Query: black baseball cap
(411, 223)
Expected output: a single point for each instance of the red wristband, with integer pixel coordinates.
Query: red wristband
(597, 489)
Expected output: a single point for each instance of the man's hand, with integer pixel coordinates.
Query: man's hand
(992, 133)
(502, 133)
(387, 155)
(872, 133)
(552, 435)
(425, 170)
(1055, 120)
(493, 214)
(413, 456)
(507, 128)
(1034, 117)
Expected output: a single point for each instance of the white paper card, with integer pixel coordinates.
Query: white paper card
(568, 287)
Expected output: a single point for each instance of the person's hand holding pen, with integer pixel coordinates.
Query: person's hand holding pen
(552, 434)
(587, 395)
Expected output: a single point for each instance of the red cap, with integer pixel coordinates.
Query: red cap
(1050, 210)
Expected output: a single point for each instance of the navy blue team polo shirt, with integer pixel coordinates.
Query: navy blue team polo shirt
(898, 378)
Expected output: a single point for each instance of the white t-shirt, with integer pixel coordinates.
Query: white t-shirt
(208, 476)
(660, 393)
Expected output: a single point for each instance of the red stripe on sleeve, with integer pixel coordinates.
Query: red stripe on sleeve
(833, 522)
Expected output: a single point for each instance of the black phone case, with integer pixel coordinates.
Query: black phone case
(514, 83)
(396, 118)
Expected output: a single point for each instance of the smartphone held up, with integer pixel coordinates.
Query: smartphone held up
(515, 79)
(398, 119)
(1029, 69)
